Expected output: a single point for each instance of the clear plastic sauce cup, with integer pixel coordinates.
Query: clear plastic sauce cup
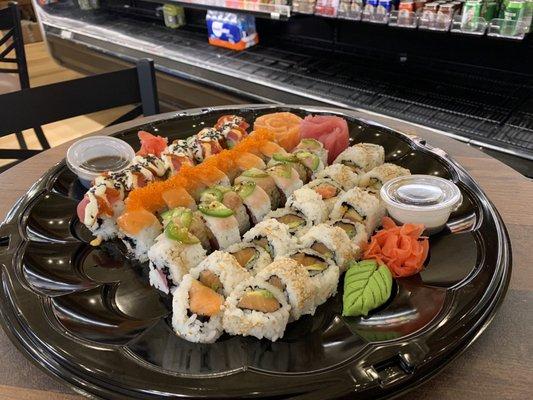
(421, 199)
(91, 156)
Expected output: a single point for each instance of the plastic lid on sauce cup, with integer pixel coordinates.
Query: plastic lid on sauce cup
(421, 199)
(91, 156)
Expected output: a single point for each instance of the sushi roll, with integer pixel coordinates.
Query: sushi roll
(272, 236)
(245, 161)
(341, 174)
(356, 231)
(176, 155)
(205, 144)
(231, 200)
(140, 228)
(376, 177)
(310, 204)
(331, 242)
(265, 182)
(293, 219)
(233, 129)
(357, 205)
(328, 190)
(324, 274)
(171, 257)
(155, 165)
(312, 163)
(267, 151)
(314, 146)
(222, 226)
(256, 308)
(362, 157)
(250, 256)
(292, 279)
(293, 161)
(221, 272)
(255, 200)
(197, 312)
(286, 179)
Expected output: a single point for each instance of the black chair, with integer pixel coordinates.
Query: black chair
(41, 105)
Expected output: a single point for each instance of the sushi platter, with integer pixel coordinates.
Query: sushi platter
(254, 251)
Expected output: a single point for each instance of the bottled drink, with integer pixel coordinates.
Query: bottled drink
(512, 17)
(471, 12)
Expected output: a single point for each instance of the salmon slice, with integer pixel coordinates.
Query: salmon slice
(203, 300)
(326, 191)
(178, 197)
(284, 125)
(133, 222)
(309, 261)
(248, 160)
(244, 256)
(210, 279)
(322, 249)
(276, 282)
(259, 300)
(269, 148)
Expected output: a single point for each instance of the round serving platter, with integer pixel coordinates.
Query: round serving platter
(89, 317)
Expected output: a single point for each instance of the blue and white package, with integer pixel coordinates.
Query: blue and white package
(230, 30)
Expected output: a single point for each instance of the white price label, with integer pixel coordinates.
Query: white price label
(275, 15)
(65, 34)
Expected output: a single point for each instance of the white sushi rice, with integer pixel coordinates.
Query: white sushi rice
(223, 265)
(326, 283)
(366, 205)
(179, 258)
(362, 156)
(310, 204)
(224, 230)
(237, 321)
(277, 234)
(320, 181)
(336, 240)
(190, 327)
(298, 287)
(138, 245)
(341, 174)
(257, 263)
(376, 177)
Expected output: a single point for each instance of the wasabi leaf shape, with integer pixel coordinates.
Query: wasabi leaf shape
(367, 286)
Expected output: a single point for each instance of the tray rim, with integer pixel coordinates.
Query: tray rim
(89, 388)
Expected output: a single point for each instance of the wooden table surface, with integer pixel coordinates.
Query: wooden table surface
(497, 366)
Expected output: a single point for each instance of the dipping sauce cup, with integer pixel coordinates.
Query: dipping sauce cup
(91, 156)
(421, 199)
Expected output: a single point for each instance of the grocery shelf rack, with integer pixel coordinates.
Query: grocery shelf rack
(484, 97)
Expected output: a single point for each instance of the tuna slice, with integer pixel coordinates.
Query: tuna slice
(330, 130)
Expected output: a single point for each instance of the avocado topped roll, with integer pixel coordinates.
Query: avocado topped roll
(344, 176)
(313, 146)
(332, 243)
(323, 273)
(292, 279)
(256, 308)
(229, 198)
(222, 226)
(197, 311)
(312, 163)
(376, 177)
(272, 236)
(250, 256)
(262, 179)
(362, 157)
(293, 161)
(221, 272)
(286, 179)
(357, 205)
(328, 190)
(356, 231)
(255, 200)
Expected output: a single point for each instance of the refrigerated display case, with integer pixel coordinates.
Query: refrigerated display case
(472, 84)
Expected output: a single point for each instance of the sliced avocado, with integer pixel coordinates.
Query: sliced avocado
(283, 170)
(245, 188)
(223, 189)
(292, 221)
(311, 144)
(309, 160)
(284, 157)
(254, 173)
(316, 267)
(211, 194)
(180, 234)
(215, 209)
(322, 249)
(352, 215)
(348, 228)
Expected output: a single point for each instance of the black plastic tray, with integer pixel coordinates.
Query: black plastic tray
(89, 317)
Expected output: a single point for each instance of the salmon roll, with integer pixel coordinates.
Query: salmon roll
(362, 157)
(272, 236)
(268, 150)
(262, 179)
(293, 161)
(332, 243)
(328, 189)
(231, 199)
(256, 308)
(140, 228)
(222, 226)
(197, 311)
(221, 272)
(293, 280)
(356, 231)
(246, 161)
(310, 204)
(293, 219)
(324, 274)
(286, 179)
(314, 146)
(255, 199)
(250, 256)
(357, 205)
(376, 177)
(311, 162)
(340, 174)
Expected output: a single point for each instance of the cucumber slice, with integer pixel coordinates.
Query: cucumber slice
(245, 188)
(211, 194)
(215, 209)
(180, 234)
(255, 173)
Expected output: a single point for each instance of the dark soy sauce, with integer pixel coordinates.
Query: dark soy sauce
(105, 163)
